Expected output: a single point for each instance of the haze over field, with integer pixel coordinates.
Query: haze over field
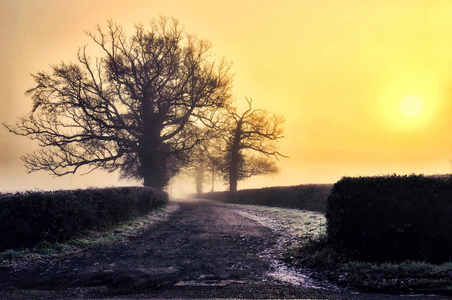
(365, 88)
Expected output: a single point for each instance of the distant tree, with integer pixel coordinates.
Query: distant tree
(205, 161)
(216, 160)
(133, 109)
(196, 167)
(253, 131)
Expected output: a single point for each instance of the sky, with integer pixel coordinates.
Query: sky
(337, 71)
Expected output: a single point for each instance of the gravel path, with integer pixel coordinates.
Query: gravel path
(203, 250)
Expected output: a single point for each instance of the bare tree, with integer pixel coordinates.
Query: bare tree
(253, 131)
(205, 161)
(133, 109)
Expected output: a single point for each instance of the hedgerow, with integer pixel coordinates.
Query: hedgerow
(308, 196)
(29, 218)
(391, 218)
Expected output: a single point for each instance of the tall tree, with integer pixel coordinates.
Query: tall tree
(134, 108)
(253, 131)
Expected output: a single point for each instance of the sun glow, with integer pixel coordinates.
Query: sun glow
(411, 106)
(408, 101)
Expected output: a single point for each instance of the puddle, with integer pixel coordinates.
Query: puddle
(282, 273)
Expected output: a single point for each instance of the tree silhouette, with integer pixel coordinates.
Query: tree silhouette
(134, 108)
(251, 131)
(206, 160)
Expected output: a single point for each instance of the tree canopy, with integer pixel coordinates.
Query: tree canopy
(134, 108)
(250, 140)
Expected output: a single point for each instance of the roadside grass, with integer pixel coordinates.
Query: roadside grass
(305, 246)
(405, 277)
(119, 233)
(294, 222)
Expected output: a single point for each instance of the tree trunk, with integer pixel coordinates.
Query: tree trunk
(233, 177)
(153, 171)
(213, 176)
(199, 178)
(153, 168)
(235, 159)
(153, 159)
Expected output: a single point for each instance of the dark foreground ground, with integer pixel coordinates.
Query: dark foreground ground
(203, 250)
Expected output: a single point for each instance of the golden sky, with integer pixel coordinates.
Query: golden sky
(337, 71)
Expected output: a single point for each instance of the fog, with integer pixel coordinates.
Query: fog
(337, 71)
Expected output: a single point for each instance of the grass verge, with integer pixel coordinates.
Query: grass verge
(315, 254)
(119, 233)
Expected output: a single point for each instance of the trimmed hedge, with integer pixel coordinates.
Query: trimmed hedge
(392, 218)
(29, 218)
(307, 196)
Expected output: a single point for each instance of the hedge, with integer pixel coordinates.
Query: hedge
(29, 218)
(307, 196)
(391, 218)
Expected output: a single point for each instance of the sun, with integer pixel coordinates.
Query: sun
(411, 106)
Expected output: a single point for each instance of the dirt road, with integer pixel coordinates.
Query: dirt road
(203, 250)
